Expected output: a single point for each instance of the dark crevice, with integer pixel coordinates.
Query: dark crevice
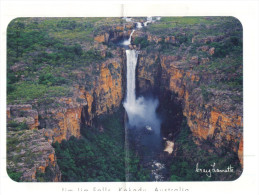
(171, 111)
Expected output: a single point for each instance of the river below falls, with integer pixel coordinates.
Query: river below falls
(149, 145)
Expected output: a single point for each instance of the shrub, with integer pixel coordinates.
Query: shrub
(17, 126)
(25, 92)
(205, 93)
(14, 175)
(46, 79)
(70, 25)
(142, 41)
(231, 45)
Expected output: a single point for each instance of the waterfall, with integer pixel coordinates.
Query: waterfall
(143, 122)
(149, 19)
(141, 111)
(139, 25)
(127, 42)
(141, 114)
(132, 57)
(130, 104)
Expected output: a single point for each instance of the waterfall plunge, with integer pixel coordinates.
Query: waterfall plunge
(141, 112)
(132, 57)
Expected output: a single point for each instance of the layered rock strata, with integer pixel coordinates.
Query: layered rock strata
(32, 156)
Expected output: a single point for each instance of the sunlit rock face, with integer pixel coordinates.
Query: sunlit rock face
(213, 119)
(92, 96)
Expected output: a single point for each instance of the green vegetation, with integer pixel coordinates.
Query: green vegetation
(168, 48)
(24, 92)
(47, 176)
(99, 155)
(15, 126)
(192, 25)
(188, 154)
(216, 41)
(43, 53)
(14, 175)
(142, 41)
(229, 73)
(187, 20)
(205, 93)
(232, 45)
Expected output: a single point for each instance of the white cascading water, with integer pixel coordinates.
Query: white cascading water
(149, 20)
(128, 41)
(132, 57)
(139, 25)
(141, 112)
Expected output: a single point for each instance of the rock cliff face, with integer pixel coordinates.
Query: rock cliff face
(97, 88)
(116, 33)
(148, 72)
(108, 92)
(32, 156)
(23, 113)
(68, 113)
(202, 72)
(211, 119)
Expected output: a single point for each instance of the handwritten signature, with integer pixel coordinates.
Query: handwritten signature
(213, 169)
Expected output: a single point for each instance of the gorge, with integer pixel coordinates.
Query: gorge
(143, 121)
(179, 80)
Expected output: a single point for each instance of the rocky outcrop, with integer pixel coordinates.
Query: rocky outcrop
(207, 39)
(102, 38)
(32, 156)
(63, 116)
(115, 33)
(200, 65)
(109, 88)
(97, 90)
(154, 38)
(170, 39)
(240, 152)
(23, 114)
(147, 71)
(107, 93)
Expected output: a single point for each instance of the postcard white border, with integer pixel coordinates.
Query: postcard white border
(245, 11)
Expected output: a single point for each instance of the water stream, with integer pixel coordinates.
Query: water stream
(128, 41)
(143, 124)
